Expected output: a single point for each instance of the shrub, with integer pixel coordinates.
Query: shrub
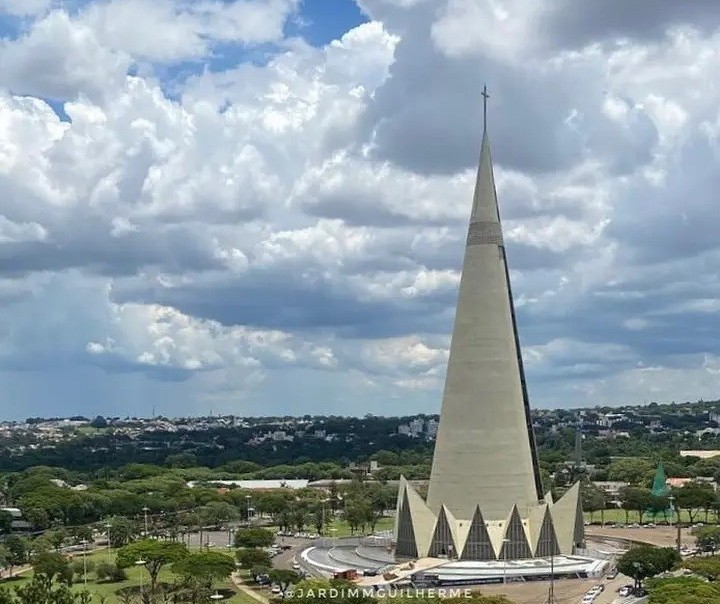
(110, 572)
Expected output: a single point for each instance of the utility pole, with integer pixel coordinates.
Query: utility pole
(84, 544)
(551, 591)
(145, 511)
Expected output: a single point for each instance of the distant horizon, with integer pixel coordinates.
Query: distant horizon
(79, 417)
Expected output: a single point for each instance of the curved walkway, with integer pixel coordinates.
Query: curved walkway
(240, 584)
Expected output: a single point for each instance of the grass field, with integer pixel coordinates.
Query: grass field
(108, 590)
(340, 528)
(618, 516)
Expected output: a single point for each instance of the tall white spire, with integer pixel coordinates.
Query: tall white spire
(485, 452)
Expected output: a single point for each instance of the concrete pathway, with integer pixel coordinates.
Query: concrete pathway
(240, 584)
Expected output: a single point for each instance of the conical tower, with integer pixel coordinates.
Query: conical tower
(485, 448)
(485, 496)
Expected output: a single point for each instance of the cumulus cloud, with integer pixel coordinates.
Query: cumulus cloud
(205, 200)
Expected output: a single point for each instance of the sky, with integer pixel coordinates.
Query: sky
(259, 206)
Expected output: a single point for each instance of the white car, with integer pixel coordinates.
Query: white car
(588, 599)
(624, 592)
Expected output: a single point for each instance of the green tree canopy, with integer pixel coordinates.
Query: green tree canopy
(154, 554)
(683, 590)
(706, 566)
(205, 565)
(647, 561)
(283, 579)
(248, 557)
(254, 537)
(52, 566)
(707, 538)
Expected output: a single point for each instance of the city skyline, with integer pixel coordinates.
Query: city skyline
(254, 207)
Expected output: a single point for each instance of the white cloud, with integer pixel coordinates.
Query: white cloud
(172, 30)
(304, 215)
(60, 58)
(160, 336)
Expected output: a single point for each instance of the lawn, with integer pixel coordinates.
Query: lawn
(134, 576)
(340, 528)
(618, 516)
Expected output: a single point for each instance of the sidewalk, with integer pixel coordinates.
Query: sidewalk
(239, 583)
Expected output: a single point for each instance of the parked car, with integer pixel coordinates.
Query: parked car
(612, 574)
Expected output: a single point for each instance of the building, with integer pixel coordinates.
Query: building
(701, 454)
(485, 499)
(19, 523)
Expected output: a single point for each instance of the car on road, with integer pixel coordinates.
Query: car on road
(588, 599)
(612, 574)
(295, 566)
(625, 591)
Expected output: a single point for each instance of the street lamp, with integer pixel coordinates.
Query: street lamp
(324, 501)
(506, 547)
(108, 526)
(678, 539)
(551, 592)
(141, 563)
(84, 544)
(145, 511)
(247, 507)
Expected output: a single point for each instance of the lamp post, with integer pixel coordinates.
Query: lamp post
(551, 592)
(324, 501)
(108, 526)
(506, 543)
(84, 544)
(141, 563)
(145, 511)
(247, 508)
(216, 596)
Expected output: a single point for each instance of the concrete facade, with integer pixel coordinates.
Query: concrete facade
(485, 466)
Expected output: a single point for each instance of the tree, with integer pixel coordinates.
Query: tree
(259, 570)
(647, 561)
(283, 579)
(684, 590)
(52, 566)
(707, 566)
(594, 499)
(254, 537)
(202, 568)
(4, 558)
(122, 531)
(40, 591)
(634, 471)
(155, 554)
(109, 572)
(693, 497)
(248, 557)
(56, 537)
(208, 565)
(635, 499)
(6, 520)
(216, 513)
(707, 538)
(81, 533)
(17, 551)
(80, 567)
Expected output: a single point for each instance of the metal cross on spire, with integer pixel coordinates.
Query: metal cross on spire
(485, 96)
